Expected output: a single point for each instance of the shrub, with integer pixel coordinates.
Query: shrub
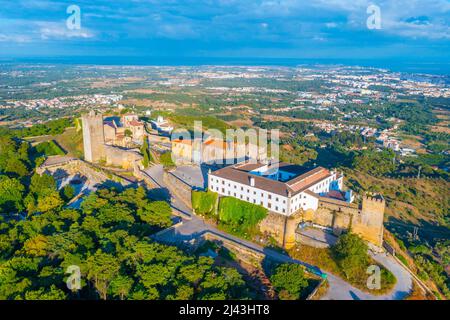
(289, 281)
(204, 202)
(351, 254)
(166, 160)
(68, 192)
(236, 212)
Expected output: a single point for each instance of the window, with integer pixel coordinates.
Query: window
(270, 196)
(276, 208)
(269, 205)
(223, 190)
(248, 199)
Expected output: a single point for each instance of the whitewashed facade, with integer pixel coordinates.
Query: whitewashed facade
(280, 191)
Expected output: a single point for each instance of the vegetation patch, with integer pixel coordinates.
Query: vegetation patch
(166, 160)
(108, 239)
(204, 203)
(49, 148)
(239, 217)
(347, 259)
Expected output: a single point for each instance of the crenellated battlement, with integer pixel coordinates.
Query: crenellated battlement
(373, 198)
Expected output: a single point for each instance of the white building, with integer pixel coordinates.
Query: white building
(282, 188)
(162, 125)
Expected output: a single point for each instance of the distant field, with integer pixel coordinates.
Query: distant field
(410, 202)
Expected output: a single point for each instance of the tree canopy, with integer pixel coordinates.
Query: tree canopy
(109, 239)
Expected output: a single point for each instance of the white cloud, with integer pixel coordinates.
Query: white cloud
(14, 38)
(53, 30)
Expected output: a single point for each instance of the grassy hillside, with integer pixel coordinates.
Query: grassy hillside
(72, 142)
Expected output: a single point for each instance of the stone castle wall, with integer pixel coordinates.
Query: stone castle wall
(95, 148)
(93, 137)
(365, 220)
(75, 166)
(121, 158)
(182, 189)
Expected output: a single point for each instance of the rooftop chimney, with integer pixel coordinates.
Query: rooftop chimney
(252, 181)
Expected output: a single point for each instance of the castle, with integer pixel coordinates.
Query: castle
(364, 219)
(98, 149)
(211, 150)
(125, 132)
(294, 195)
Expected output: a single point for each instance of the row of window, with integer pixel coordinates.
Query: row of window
(269, 204)
(248, 191)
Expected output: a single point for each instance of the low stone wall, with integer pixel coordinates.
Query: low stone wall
(365, 220)
(179, 187)
(77, 166)
(304, 239)
(242, 252)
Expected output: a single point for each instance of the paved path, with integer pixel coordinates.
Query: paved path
(193, 227)
(157, 174)
(341, 290)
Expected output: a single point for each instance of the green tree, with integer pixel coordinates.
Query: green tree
(102, 268)
(120, 286)
(11, 194)
(145, 150)
(128, 133)
(351, 254)
(289, 281)
(48, 202)
(42, 294)
(16, 166)
(166, 160)
(42, 185)
(68, 192)
(156, 213)
(374, 162)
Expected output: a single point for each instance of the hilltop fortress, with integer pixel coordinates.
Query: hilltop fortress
(298, 198)
(97, 149)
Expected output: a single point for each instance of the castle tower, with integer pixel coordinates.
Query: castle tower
(370, 227)
(93, 137)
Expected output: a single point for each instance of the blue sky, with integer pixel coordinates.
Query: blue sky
(416, 30)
